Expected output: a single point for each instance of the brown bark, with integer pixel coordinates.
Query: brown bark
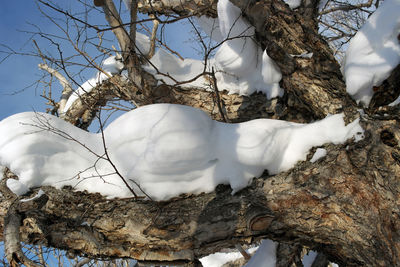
(180, 7)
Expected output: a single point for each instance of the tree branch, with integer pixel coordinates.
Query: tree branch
(346, 7)
(317, 82)
(153, 37)
(114, 20)
(67, 88)
(183, 8)
(12, 223)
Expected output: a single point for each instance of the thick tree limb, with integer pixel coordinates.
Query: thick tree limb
(12, 223)
(180, 7)
(316, 82)
(114, 20)
(284, 32)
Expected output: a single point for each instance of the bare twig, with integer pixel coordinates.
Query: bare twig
(217, 95)
(346, 7)
(115, 167)
(243, 252)
(68, 15)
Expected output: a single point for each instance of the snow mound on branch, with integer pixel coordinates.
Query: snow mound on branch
(166, 149)
(319, 153)
(293, 4)
(240, 64)
(265, 255)
(109, 66)
(373, 52)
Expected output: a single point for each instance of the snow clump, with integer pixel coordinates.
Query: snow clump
(166, 149)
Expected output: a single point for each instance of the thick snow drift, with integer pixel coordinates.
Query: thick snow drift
(167, 149)
(373, 52)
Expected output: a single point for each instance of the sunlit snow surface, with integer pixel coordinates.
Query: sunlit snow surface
(240, 64)
(220, 258)
(373, 52)
(167, 149)
(265, 255)
(319, 153)
(293, 4)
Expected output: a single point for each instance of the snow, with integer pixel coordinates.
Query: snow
(319, 153)
(167, 149)
(220, 258)
(373, 52)
(395, 102)
(210, 26)
(38, 194)
(17, 187)
(2, 169)
(304, 55)
(265, 255)
(241, 66)
(309, 258)
(293, 4)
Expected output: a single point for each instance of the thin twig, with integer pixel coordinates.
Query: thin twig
(346, 7)
(111, 162)
(217, 95)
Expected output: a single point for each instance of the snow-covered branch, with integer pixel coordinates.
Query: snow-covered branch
(67, 88)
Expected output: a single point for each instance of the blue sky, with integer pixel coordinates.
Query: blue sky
(18, 73)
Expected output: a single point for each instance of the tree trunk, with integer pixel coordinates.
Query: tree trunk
(345, 205)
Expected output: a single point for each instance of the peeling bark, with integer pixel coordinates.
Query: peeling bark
(180, 7)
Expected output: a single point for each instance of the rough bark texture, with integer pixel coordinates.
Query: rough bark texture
(180, 7)
(345, 205)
